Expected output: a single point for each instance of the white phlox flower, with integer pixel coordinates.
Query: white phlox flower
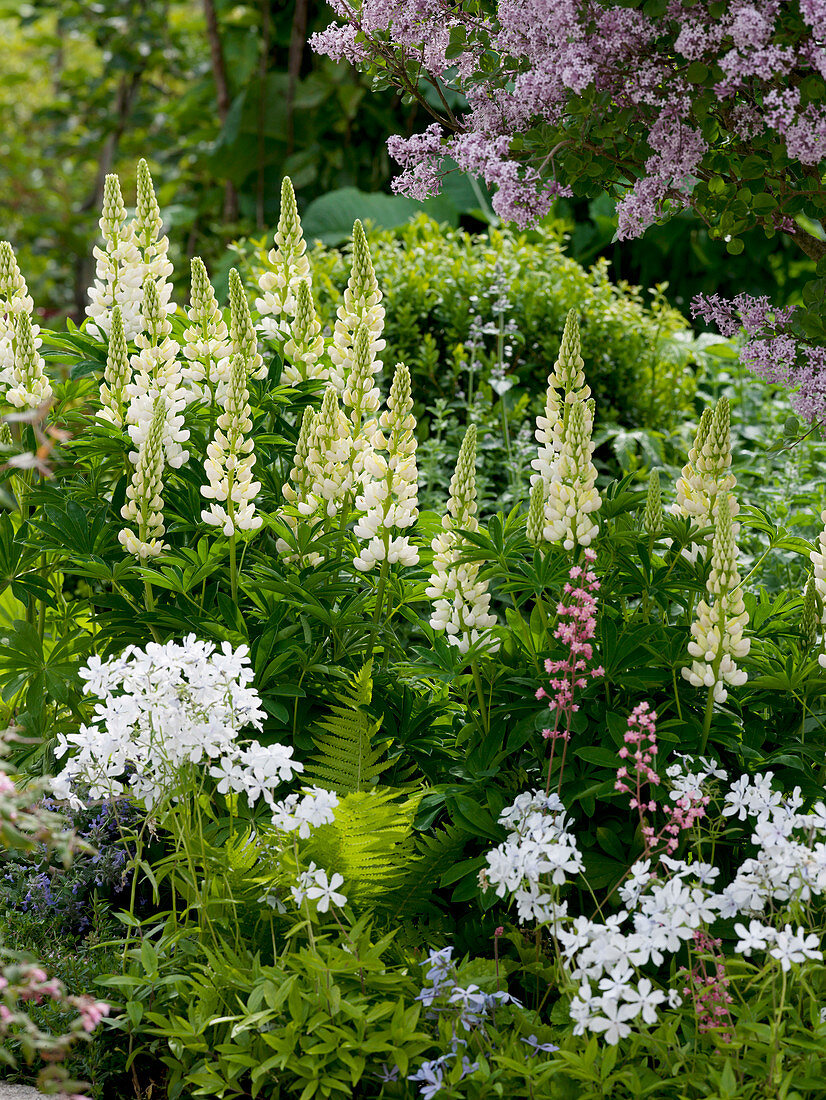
(243, 339)
(289, 267)
(461, 601)
(717, 634)
(361, 305)
(314, 885)
(388, 499)
(206, 341)
(230, 461)
(119, 269)
(163, 711)
(304, 349)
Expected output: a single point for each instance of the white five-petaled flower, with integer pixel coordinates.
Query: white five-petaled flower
(314, 885)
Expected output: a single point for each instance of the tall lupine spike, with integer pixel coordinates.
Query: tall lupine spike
(707, 476)
(818, 559)
(144, 494)
(809, 616)
(652, 517)
(572, 498)
(230, 461)
(569, 370)
(206, 341)
(153, 245)
(330, 459)
(305, 346)
(25, 386)
(362, 398)
(243, 340)
(116, 376)
(290, 267)
(389, 496)
(461, 601)
(14, 294)
(362, 305)
(535, 526)
(717, 633)
(298, 490)
(119, 269)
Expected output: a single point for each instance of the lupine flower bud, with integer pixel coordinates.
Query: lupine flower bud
(23, 382)
(144, 500)
(242, 337)
(290, 267)
(652, 518)
(5, 435)
(809, 617)
(536, 514)
(14, 294)
(361, 305)
(572, 494)
(461, 601)
(206, 342)
(230, 461)
(717, 634)
(153, 245)
(389, 495)
(116, 376)
(298, 491)
(707, 476)
(305, 346)
(567, 377)
(330, 459)
(119, 269)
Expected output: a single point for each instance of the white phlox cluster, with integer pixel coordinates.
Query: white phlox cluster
(243, 339)
(157, 373)
(290, 267)
(164, 712)
(361, 306)
(144, 499)
(706, 478)
(301, 813)
(304, 348)
(230, 461)
(717, 634)
(565, 474)
(666, 901)
(119, 269)
(389, 495)
(23, 381)
(206, 341)
(461, 601)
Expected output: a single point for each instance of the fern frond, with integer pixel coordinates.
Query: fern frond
(434, 854)
(347, 760)
(369, 843)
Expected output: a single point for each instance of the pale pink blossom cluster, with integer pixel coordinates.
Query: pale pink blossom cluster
(708, 988)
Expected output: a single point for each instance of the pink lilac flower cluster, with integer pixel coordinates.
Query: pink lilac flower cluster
(593, 67)
(638, 752)
(575, 629)
(709, 988)
(771, 351)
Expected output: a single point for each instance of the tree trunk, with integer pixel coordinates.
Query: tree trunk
(222, 99)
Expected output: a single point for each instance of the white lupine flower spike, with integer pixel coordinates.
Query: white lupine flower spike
(14, 294)
(116, 376)
(230, 461)
(304, 350)
(461, 601)
(717, 640)
(152, 244)
(206, 340)
(329, 460)
(243, 339)
(298, 490)
(144, 500)
(23, 381)
(119, 269)
(362, 305)
(389, 494)
(707, 476)
(290, 267)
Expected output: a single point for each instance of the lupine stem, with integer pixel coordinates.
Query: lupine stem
(477, 679)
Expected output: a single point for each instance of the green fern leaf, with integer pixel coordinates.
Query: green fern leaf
(434, 854)
(347, 760)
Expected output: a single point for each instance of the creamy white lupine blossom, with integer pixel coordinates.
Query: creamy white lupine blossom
(119, 269)
(389, 494)
(361, 400)
(152, 244)
(23, 381)
(566, 384)
(290, 267)
(717, 641)
(535, 524)
(117, 375)
(243, 339)
(14, 294)
(572, 499)
(230, 461)
(818, 560)
(329, 460)
(157, 372)
(361, 305)
(707, 476)
(298, 491)
(206, 340)
(144, 499)
(304, 349)
(461, 601)
(809, 617)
